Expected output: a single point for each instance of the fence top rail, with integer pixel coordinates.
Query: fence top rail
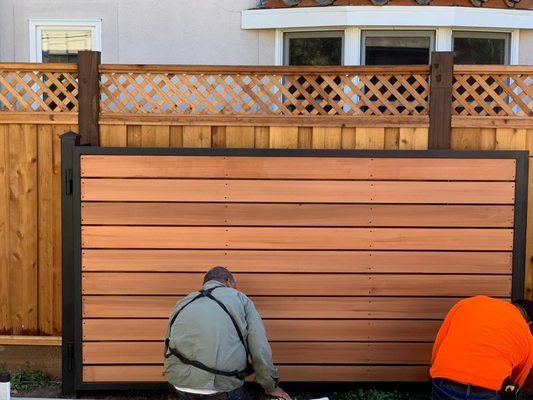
(45, 67)
(140, 68)
(493, 69)
(291, 70)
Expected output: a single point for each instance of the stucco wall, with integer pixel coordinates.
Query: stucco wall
(160, 31)
(525, 51)
(147, 31)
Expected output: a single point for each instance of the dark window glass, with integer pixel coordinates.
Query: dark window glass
(477, 50)
(315, 51)
(399, 50)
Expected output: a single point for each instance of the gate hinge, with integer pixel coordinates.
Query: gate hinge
(68, 182)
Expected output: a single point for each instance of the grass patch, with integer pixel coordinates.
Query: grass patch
(22, 381)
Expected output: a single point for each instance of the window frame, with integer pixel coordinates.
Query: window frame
(311, 34)
(365, 33)
(37, 25)
(508, 36)
(353, 39)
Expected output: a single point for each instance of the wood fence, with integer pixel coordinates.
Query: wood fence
(352, 260)
(199, 106)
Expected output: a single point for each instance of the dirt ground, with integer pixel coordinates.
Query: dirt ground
(298, 392)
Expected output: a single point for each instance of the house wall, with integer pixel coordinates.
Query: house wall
(525, 54)
(160, 31)
(147, 31)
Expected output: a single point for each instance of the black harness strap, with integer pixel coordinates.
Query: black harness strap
(248, 370)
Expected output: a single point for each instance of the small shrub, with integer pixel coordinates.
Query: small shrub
(24, 380)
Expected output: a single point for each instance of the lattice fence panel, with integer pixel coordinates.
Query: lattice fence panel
(264, 93)
(38, 91)
(493, 94)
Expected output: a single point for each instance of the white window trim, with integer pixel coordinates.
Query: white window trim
(397, 16)
(353, 38)
(37, 24)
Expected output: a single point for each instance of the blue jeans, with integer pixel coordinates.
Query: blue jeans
(237, 394)
(441, 390)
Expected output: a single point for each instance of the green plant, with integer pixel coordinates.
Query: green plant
(24, 380)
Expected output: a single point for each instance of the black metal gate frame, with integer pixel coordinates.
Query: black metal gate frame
(71, 152)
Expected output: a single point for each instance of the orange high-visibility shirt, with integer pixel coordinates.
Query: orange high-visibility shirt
(482, 342)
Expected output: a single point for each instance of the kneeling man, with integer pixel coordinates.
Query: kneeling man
(484, 350)
(215, 339)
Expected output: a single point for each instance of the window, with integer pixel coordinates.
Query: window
(62, 46)
(313, 48)
(481, 47)
(396, 47)
(59, 40)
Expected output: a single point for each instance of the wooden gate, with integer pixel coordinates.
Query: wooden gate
(351, 257)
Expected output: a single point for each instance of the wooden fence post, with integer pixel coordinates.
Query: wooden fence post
(440, 100)
(89, 96)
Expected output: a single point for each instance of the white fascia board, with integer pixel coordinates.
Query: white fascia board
(390, 16)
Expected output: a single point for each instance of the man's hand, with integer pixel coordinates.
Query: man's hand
(279, 393)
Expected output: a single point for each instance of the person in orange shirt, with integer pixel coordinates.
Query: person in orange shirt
(483, 349)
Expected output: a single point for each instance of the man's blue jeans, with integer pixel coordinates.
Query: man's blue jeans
(441, 390)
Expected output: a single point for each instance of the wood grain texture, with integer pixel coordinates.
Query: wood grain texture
(298, 261)
(231, 214)
(240, 137)
(113, 136)
(155, 136)
(277, 330)
(262, 137)
(218, 136)
(413, 138)
(283, 137)
(287, 307)
(303, 191)
(288, 373)
(326, 138)
(147, 283)
(344, 168)
(131, 237)
(511, 139)
(45, 171)
(23, 227)
(5, 255)
(196, 136)
(370, 138)
(134, 135)
(283, 352)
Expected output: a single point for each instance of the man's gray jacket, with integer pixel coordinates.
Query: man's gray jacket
(204, 332)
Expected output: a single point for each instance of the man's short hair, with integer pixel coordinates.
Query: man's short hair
(220, 274)
(527, 306)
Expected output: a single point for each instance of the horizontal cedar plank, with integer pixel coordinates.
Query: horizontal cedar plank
(302, 284)
(287, 373)
(192, 190)
(277, 330)
(133, 166)
(279, 307)
(283, 353)
(131, 237)
(297, 261)
(230, 214)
